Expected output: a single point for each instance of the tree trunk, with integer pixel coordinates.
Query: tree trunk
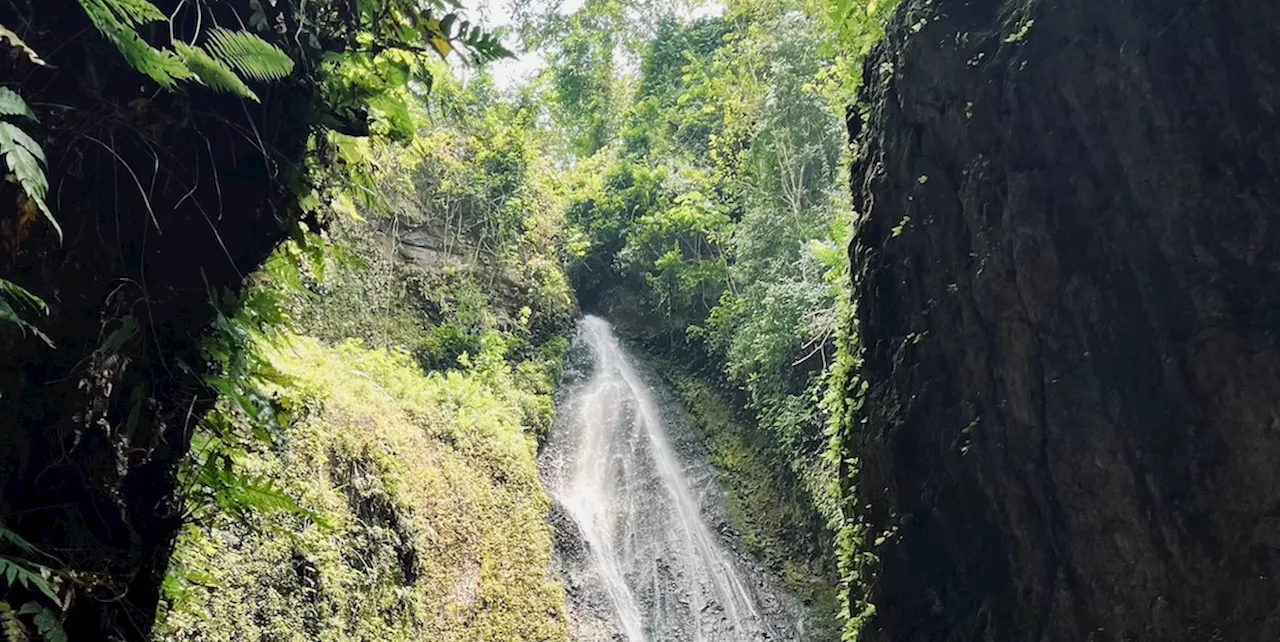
(1067, 278)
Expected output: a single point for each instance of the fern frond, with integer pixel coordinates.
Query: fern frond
(22, 163)
(10, 291)
(215, 67)
(16, 43)
(11, 104)
(248, 54)
(46, 620)
(6, 535)
(213, 74)
(11, 626)
(116, 20)
(262, 494)
(130, 13)
(161, 66)
(25, 141)
(17, 572)
(23, 154)
(240, 495)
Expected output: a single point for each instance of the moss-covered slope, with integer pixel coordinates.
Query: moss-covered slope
(429, 520)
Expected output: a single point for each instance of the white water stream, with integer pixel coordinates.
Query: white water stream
(644, 562)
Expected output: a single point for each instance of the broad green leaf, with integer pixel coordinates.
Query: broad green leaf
(11, 104)
(18, 573)
(20, 137)
(132, 13)
(10, 291)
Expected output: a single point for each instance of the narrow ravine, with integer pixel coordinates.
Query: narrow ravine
(646, 554)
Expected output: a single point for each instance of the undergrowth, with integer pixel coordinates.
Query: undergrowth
(429, 521)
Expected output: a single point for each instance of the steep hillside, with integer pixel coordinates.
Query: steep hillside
(429, 521)
(1065, 286)
(390, 490)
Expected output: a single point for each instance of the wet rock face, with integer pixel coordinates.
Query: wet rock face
(1068, 289)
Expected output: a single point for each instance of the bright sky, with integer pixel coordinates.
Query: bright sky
(512, 73)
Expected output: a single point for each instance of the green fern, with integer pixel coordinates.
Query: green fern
(236, 493)
(24, 158)
(11, 104)
(262, 494)
(12, 628)
(23, 155)
(46, 620)
(248, 54)
(23, 140)
(29, 575)
(12, 294)
(117, 19)
(214, 66)
(213, 74)
(13, 539)
(130, 13)
(23, 571)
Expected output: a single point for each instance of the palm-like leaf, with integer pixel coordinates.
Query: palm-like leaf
(116, 19)
(131, 13)
(248, 54)
(10, 294)
(23, 155)
(212, 73)
(16, 572)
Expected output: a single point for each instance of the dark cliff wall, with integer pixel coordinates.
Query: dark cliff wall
(1068, 290)
(164, 197)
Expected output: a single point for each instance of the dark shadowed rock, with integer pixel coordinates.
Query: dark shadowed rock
(1068, 289)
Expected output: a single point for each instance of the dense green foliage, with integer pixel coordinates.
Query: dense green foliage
(382, 382)
(426, 519)
(711, 195)
(715, 213)
(399, 498)
(112, 510)
(382, 39)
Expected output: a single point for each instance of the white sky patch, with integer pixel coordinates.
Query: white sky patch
(512, 73)
(711, 9)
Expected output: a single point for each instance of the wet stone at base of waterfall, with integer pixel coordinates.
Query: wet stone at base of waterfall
(643, 545)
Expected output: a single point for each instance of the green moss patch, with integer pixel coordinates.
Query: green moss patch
(429, 520)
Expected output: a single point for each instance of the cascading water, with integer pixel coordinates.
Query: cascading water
(641, 561)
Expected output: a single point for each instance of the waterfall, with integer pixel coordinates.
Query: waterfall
(647, 559)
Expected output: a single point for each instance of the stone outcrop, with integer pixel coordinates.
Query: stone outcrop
(1067, 278)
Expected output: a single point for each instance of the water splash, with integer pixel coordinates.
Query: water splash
(646, 549)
